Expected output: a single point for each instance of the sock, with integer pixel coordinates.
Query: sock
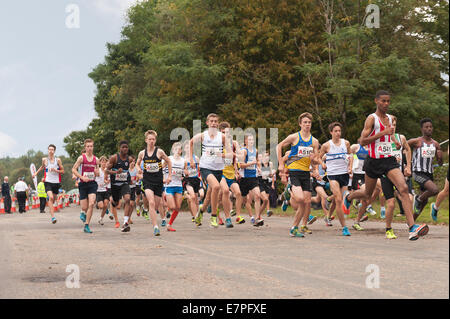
(125, 219)
(436, 206)
(172, 218)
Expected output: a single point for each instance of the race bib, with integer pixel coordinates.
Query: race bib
(228, 161)
(428, 151)
(304, 151)
(398, 155)
(152, 167)
(213, 152)
(192, 171)
(265, 174)
(384, 148)
(178, 172)
(122, 177)
(89, 175)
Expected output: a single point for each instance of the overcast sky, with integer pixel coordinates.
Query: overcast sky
(45, 91)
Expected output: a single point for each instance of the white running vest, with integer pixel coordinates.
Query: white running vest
(52, 177)
(337, 159)
(100, 180)
(212, 150)
(177, 172)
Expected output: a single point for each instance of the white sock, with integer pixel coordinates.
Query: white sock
(436, 206)
(125, 219)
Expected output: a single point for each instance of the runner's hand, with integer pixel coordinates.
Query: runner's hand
(407, 171)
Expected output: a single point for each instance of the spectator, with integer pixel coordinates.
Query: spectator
(6, 195)
(20, 191)
(42, 195)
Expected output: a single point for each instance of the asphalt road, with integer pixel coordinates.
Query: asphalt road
(197, 263)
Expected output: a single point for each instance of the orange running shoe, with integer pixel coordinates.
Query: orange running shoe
(117, 225)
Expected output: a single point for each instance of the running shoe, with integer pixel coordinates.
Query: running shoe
(383, 212)
(305, 230)
(221, 221)
(87, 229)
(259, 222)
(390, 234)
(364, 218)
(295, 233)
(100, 221)
(83, 217)
(146, 215)
(53, 220)
(355, 203)
(228, 222)
(208, 209)
(328, 221)
(198, 219)
(252, 220)
(285, 205)
(433, 212)
(232, 213)
(156, 231)
(163, 223)
(418, 231)
(168, 214)
(240, 220)
(117, 225)
(357, 227)
(370, 210)
(214, 222)
(287, 194)
(126, 228)
(107, 211)
(311, 219)
(345, 232)
(169, 228)
(138, 212)
(111, 217)
(193, 219)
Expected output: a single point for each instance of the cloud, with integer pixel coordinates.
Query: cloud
(7, 145)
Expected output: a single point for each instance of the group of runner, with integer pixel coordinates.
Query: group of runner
(155, 183)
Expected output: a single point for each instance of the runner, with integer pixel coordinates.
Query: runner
(52, 177)
(304, 150)
(133, 185)
(339, 168)
(228, 183)
(153, 179)
(248, 184)
(440, 197)
(263, 182)
(103, 193)
(425, 149)
(211, 163)
(118, 167)
(87, 186)
(321, 186)
(192, 183)
(377, 133)
(174, 189)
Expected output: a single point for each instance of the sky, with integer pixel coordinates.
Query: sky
(46, 54)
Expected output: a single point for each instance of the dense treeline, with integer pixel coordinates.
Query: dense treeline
(262, 63)
(20, 167)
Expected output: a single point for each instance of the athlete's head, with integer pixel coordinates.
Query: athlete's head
(305, 121)
(43, 180)
(248, 140)
(51, 149)
(266, 157)
(224, 127)
(426, 125)
(103, 161)
(212, 120)
(394, 123)
(383, 100)
(89, 146)
(335, 130)
(133, 161)
(150, 138)
(176, 149)
(123, 147)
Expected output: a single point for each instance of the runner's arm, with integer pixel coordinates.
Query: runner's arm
(61, 170)
(408, 154)
(76, 166)
(438, 153)
(286, 142)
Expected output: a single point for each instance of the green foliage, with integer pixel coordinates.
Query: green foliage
(262, 63)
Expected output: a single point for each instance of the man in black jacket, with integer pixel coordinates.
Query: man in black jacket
(6, 195)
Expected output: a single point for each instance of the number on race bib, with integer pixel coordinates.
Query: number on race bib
(122, 177)
(89, 175)
(428, 152)
(384, 149)
(304, 151)
(152, 167)
(178, 172)
(228, 161)
(398, 156)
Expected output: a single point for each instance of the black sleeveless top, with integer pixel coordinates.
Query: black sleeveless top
(152, 167)
(124, 177)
